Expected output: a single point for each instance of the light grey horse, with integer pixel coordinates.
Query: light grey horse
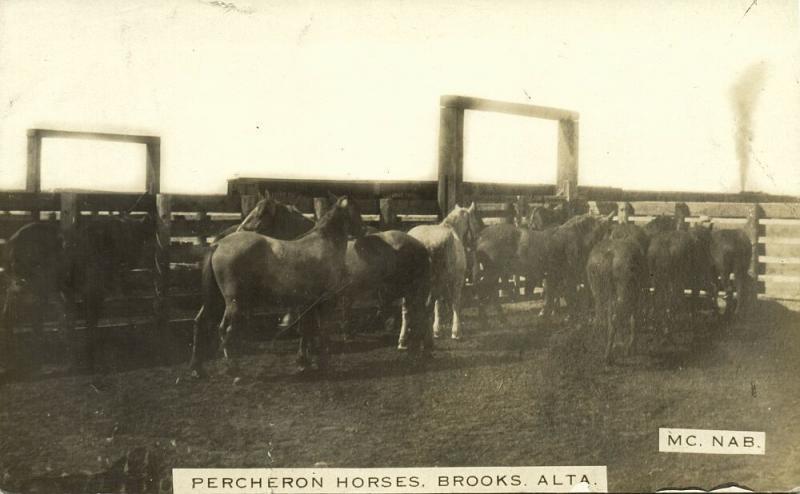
(445, 244)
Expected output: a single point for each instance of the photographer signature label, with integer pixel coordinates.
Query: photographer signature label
(711, 441)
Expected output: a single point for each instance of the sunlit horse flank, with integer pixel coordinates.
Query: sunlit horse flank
(310, 270)
(269, 217)
(446, 245)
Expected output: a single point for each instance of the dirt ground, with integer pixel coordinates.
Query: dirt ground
(522, 393)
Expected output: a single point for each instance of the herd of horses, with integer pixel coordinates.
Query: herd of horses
(621, 276)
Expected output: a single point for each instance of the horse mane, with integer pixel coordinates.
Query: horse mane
(323, 222)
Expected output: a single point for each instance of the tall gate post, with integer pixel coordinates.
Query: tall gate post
(567, 171)
(153, 173)
(451, 158)
(161, 275)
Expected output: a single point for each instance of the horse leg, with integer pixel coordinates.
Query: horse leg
(402, 341)
(306, 331)
(230, 325)
(321, 321)
(611, 332)
(7, 340)
(437, 317)
(455, 300)
(199, 337)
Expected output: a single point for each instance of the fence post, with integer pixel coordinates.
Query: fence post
(622, 213)
(451, 158)
(153, 171)
(161, 274)
(320, 206)
(388, 215)
(203, 227)
(68, 224)
(248, 203)
(754, 214)
(567, 155)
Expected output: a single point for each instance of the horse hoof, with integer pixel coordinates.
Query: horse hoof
(402, 347)
(237, 380)
(456, 338)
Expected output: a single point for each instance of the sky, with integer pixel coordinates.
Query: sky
(672, 95)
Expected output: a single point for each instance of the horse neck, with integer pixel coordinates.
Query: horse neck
(330, 227)
(459, 229)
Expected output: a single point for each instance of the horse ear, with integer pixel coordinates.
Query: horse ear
(332, 197)
(472, 207)
(265, 195)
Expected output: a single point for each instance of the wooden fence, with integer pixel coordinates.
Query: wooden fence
(164, 290)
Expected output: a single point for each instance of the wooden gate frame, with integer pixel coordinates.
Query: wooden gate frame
(451, 143)
(33, 181)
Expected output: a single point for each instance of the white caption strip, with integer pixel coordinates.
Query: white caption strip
(389, 480)
(711, 442)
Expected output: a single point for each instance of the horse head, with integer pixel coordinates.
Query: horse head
(346, 212)
(465, 222)
(275, 219)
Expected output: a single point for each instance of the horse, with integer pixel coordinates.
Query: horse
(568, 248)
(542, 217)
(731, 253)
(502, 250)
(388, 266)
(247, 267)
(90, 263)
(677, 260)
(446, 246)
(616, 271)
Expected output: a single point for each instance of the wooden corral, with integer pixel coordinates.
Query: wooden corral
(165, 289)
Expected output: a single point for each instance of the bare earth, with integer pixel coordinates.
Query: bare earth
(522, 394)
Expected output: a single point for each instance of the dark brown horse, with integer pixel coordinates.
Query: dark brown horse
(248, 268)
(568, 249)
(732, 252)
(88, 266)
(617, 273)
(503, 250)
(679, 260)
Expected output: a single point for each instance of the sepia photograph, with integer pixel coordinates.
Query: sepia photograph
(399, 246)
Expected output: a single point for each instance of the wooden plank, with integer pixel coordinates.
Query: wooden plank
(780, 221)
(418, 189)
(124, 202)
(781, 209)
(780, 250)
(780, 289)
(779, 260)
(779, 269)
(462, 103)
(475, 189)
(28, 201)
(780, 230)
(780, 240)
(415, 206)
(208, 203)
(102, 136)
